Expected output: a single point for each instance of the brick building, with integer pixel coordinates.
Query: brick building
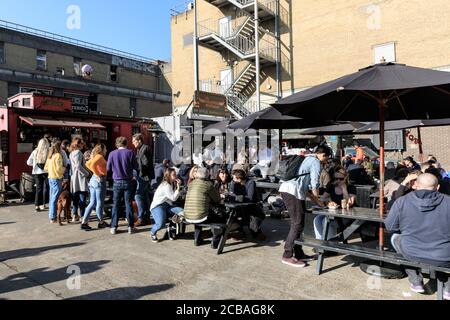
(122, 84)
(313, 41)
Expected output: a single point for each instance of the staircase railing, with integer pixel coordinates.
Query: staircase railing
(272, 6)
(213, 26)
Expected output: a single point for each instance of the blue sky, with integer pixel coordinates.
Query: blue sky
(137, 26)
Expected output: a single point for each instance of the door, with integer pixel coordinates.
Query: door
(225, 29)
(226, 79)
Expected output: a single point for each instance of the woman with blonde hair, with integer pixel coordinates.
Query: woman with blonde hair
(193, 173)
(78, 179)
(55, 168)
(97, 187)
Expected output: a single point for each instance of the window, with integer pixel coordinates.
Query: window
(113, 73)
(188, 40)
(26, 102)
(384, 53)
(2, 52)
(77, 66)
(39, 91)
(93, 103)
(133, 103)
(41, 60)
(60, 71)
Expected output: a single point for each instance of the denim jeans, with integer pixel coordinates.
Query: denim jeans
(55, 190)
(97, 187)
(160, 214)
(319, 221)
(122, 188)
(415, 277)
(79, 200)
(142, 199)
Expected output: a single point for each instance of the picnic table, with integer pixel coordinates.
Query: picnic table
(232, 209)
(359, 216)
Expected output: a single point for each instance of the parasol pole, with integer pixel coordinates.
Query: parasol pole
(382, 118)
(419, 137)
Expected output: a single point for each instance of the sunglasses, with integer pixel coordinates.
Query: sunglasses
(339, 179)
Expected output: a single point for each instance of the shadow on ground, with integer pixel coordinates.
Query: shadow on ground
(128, 293)
(29, 252)
(43, 276)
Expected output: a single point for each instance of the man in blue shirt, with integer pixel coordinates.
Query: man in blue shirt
(294, 193)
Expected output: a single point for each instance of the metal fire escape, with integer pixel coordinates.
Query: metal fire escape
(237, 38)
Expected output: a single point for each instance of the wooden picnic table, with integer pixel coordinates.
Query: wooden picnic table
(233, 208)
(359, 215)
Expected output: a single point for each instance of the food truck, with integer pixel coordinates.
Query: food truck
(28, 116)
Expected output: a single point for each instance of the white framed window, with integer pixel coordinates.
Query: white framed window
(36, 90)
(384, 53)
(41, 60)
(77, 66)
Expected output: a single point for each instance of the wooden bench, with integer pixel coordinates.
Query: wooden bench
(374, 254)
(222, 226)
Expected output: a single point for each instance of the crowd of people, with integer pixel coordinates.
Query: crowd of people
(416, 194)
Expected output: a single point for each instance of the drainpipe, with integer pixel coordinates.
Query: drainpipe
(196, 66)
(257, 62)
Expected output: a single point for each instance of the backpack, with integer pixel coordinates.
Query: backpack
(289, 167)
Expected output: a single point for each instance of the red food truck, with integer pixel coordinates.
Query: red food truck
(29, 116)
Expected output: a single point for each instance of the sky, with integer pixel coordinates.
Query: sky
(140, 27)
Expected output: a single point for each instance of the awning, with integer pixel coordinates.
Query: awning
(60, 123)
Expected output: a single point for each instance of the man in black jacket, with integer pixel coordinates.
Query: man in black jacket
(145, 175)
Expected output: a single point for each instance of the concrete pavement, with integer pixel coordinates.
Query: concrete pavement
(40, 261)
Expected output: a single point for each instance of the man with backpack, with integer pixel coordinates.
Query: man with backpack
(301, 179)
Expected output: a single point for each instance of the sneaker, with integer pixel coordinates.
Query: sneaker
(43, 207)
(417, 288)
(154, 238)
(85, 226)
(75, 219)
(131, 230)
(103, 225)
(113, 230)
(172, 236)
(306, 258)
(138, 223)
(446, 295)
(293, 262)
(52, 221)
(37, 209)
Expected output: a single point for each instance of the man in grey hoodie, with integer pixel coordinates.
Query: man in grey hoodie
(423, 219)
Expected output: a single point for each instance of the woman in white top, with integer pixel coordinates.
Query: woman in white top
(41, 182)
(162, 204)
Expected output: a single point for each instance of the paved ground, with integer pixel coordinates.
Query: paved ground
(35, 261)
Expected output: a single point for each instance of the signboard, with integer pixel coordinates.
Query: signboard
(135, 65)
(394, 140)
(50, 103)
(210, 104)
